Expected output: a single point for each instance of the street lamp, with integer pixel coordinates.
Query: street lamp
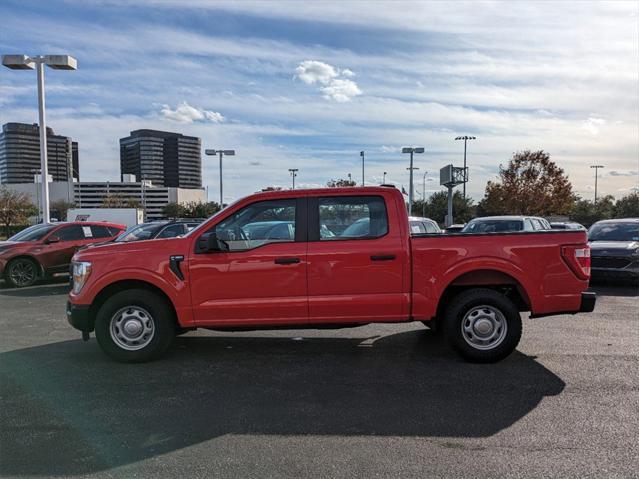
(465, 138)
(596, 168)
(424, 196)
(384, 180)
(293, 172)
(57, 62)
(221, 153)
(350, 178)
(361, 153)
(410, 168)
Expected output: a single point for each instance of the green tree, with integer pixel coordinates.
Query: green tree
(628, 206)
(341, 183)
(15, 209)
(531, 184)
(61, 207)
(272, 188)
(586, 212)
(437, 207)
(174, 210)
(198, 209)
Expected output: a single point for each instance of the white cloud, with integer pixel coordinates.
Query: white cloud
(593, 125)
(185, 113)
(332, 87)
(312, 71)
(341, 90)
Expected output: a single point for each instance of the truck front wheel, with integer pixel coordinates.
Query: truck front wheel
(482, 325)
(135, 326)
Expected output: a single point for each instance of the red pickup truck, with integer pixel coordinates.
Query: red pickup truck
(326, 258)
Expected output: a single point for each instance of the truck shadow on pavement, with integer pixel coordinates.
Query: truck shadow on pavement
(68, 410)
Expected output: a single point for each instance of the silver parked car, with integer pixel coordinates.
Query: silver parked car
(423, 225)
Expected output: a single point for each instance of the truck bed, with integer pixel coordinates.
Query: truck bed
(531, 262)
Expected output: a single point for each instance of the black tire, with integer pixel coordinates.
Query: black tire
(492, 322)
(137, 308)
(22, 272)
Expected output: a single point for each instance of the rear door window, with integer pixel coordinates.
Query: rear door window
(352, 217)
(431, 227)
(100, 231)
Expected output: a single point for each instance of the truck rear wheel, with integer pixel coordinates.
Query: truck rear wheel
(135, 326)
(482, 325)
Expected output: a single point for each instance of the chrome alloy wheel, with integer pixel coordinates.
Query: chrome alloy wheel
(22, 272)
(132, 328)
(484, 327)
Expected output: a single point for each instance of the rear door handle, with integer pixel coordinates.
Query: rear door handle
(286, 260)
(383, 257)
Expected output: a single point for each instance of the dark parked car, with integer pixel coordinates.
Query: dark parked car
(615, 249)
(45, 249)
(566, 225)
(457, 228)
(158, 229)
(504, 224)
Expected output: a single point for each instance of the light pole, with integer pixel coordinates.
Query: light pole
(361, 153)
(465, 138)
(410, 200)
(221, 153)
(293, 172)
(424, 196)
(596, 168)
(350, 178)
(410, 168)
(384, 180)
(57, 62)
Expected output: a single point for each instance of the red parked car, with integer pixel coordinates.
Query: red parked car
(337, 257)
(48, 248)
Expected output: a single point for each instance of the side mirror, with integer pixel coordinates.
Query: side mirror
(209, 243)
(53, 239)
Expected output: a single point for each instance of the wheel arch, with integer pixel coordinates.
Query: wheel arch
(488, 278)
(123, 285)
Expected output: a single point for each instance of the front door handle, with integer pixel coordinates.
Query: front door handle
(286, 260)
(383, 257)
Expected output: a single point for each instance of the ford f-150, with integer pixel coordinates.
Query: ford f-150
(326, 258)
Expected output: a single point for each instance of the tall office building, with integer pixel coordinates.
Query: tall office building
(164, 158)
(20, 154)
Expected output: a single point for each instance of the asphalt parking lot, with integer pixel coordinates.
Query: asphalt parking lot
(374, 401)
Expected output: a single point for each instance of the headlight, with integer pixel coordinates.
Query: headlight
(81, 272)
(636, 252)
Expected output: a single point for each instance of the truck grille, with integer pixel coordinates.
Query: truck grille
(609, 262)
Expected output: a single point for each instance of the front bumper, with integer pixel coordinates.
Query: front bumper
(78, 316)
(614, 267)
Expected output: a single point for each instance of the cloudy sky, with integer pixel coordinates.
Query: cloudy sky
(309, 84)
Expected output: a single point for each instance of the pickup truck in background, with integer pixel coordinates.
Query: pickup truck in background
(338, 257)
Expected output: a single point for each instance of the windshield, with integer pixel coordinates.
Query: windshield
(32, 233)
(493, 226)
(614, 232)
(139, 232)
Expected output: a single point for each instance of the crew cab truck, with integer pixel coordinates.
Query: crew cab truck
(316, 270)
